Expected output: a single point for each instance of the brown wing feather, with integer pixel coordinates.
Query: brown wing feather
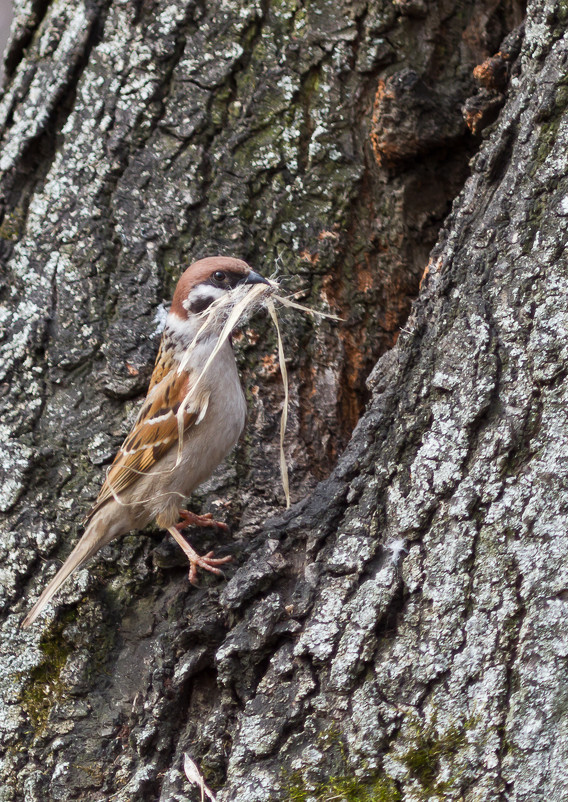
(155, 432)
(164, 364)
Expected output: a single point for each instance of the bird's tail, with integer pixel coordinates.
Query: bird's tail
(92, 540)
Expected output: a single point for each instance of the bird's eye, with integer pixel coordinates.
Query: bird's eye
(219, 276)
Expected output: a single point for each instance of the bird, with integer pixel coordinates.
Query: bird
(187, 424)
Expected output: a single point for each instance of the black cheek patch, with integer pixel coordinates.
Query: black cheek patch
(200, 304)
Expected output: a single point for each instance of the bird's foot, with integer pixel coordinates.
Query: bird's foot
(208, 562)
(191, 519)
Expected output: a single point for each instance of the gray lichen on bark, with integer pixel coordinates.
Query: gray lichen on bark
(402, 627)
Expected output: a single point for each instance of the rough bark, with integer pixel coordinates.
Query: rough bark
(399, 634)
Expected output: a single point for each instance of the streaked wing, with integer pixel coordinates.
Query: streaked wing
(155, 432)
(165, 363)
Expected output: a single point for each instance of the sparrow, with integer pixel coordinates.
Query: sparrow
(188, 423)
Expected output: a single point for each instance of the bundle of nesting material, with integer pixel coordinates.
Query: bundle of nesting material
(220, 318)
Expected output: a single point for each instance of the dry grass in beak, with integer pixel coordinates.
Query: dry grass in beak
(284, 416)
(220, 319)
(222, 316)
(287, 302)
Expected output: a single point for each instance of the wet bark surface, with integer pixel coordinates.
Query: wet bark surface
(399, 634)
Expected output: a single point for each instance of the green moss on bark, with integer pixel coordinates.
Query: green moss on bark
(45, 686)
(350, 789)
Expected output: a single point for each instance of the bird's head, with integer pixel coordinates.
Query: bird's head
(208, 280)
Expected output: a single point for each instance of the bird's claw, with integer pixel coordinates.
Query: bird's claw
(209, 563)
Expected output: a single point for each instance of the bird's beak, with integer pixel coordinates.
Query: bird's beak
(255, 278)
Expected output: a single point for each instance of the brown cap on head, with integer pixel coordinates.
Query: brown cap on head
(201, 271)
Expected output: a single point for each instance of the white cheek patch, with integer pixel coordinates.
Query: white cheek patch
(202, 295)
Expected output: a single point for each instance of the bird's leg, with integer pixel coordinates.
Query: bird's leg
(191, 519)
(207, 562)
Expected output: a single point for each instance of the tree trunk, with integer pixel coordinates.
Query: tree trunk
(399, 634)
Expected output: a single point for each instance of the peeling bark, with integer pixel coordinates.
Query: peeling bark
(399, 634)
